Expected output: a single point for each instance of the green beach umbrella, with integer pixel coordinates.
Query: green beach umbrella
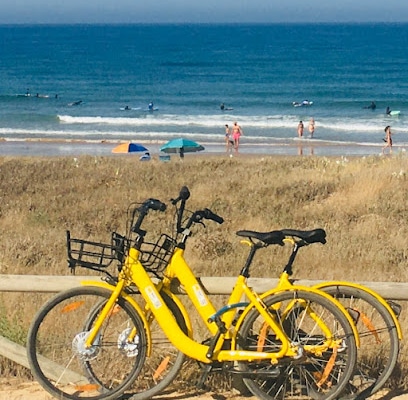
(181, 146)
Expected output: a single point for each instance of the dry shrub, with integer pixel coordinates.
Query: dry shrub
(361, 202)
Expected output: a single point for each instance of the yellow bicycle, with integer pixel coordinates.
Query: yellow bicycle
(376, 320)
(93, 341)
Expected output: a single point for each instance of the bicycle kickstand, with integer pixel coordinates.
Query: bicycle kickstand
(201, 382)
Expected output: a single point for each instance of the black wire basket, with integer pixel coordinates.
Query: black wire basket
(95, 255)
(156, 256)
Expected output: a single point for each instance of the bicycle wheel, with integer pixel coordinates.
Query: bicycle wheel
(165, 361)
(163, 364)
(379, 342)
(61, 362)
(312, 374)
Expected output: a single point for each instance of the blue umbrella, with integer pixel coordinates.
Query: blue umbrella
(181, 146)
(129, 148)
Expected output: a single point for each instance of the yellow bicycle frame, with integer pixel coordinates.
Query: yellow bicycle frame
(133, 271)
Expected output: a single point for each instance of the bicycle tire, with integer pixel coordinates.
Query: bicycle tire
(379, 342)
(311, 375)
(59, 359)
(153, 378)
(165, 361)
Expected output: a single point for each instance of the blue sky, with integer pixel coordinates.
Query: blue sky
(201, 11)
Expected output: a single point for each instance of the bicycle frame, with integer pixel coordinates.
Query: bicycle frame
(178, 268)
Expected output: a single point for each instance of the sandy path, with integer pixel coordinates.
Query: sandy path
(15, 389)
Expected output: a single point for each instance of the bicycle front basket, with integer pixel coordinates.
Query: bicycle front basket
(156, 256)
(95, 255)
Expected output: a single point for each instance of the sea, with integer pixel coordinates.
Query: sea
(61, 85)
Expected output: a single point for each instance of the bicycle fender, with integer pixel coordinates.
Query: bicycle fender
(182, 309)
(133, 303)
(363, 288)
(306, 289)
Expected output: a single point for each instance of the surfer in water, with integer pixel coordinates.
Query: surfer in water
(388, 111)
(150, 106)
(372, 106)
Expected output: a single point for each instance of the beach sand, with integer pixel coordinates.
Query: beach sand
(15, 389)
(303, 147)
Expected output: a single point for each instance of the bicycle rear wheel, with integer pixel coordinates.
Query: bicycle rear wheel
(379, 342)
(65, 366)
(312, 374)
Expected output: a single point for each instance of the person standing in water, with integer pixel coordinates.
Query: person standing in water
(300, 129)
(229, 142)
(388, 139)
(311, 127)
(236, 134)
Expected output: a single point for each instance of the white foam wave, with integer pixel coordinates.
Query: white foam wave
(247, 122)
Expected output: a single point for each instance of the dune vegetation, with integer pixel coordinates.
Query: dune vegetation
(362, 203)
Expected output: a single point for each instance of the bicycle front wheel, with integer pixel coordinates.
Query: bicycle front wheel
(326, 348)
(164, 362)
(379, 342)
(69, 369)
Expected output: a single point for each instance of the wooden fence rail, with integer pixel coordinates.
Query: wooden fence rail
(213, 285)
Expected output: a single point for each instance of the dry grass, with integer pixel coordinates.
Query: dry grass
(362, 204)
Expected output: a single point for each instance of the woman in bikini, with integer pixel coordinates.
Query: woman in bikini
(236, 134)
(229, 142)
(388, 139)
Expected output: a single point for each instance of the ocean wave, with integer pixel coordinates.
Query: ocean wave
(256, 121)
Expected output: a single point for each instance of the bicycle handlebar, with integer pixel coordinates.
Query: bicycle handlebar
(199, 215)
(149, 204)
(196, 217)
(183, 196)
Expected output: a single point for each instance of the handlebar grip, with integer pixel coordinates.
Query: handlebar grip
(156, 205)
(149, 204)
(183, 195)
(214, 217)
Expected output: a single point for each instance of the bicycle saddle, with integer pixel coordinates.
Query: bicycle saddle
(273, 237)
(312, 236)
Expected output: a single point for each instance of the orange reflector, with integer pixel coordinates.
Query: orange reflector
(370, 326)
(328, 368)
(115, 309)
(161, 368)
(90, 387)
(72, 307)
(262, 337)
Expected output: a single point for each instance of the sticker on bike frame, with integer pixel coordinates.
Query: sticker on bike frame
(200, 295)
(151, 294)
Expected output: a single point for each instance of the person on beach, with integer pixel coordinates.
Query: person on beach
(229, 142)
(311, 127)
(300, 129)
(236, 134)
(388, 139)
